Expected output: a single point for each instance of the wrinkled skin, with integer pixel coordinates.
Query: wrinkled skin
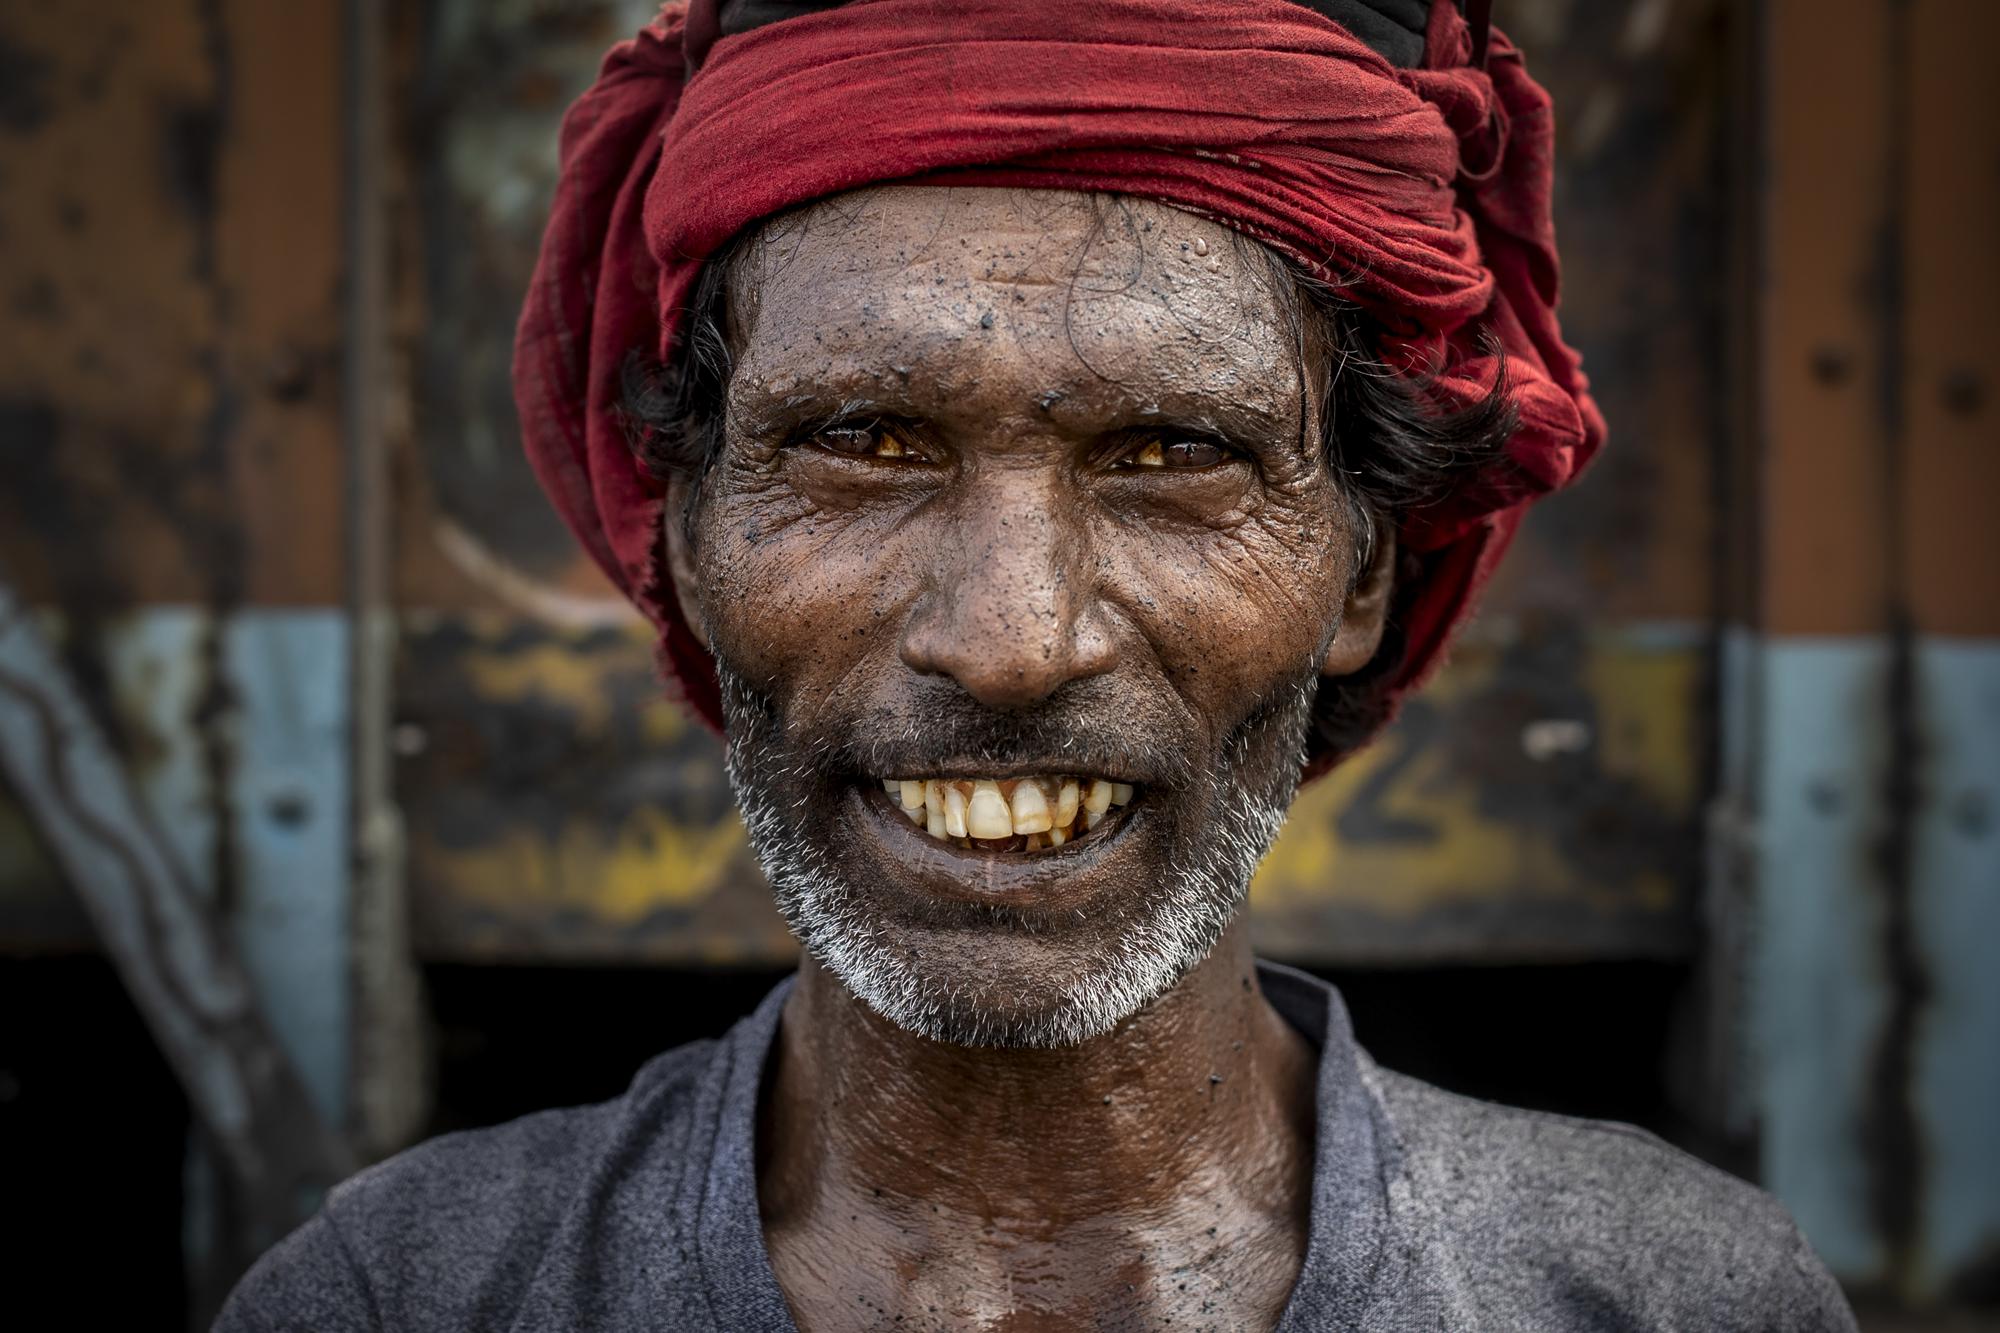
(1009, 587)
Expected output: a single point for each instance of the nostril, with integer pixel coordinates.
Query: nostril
(1005, 659)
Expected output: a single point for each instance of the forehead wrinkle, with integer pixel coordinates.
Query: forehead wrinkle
(1044, 308)
(802, 347)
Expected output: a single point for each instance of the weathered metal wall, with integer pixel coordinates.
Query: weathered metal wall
(1868, 679)
(171, 449)
(174, 467)
(1542, 801)
(168, 433)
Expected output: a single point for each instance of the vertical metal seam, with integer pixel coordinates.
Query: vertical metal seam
(1889, 1121)
(1737, 589)
(224, 575)
(386, 1090)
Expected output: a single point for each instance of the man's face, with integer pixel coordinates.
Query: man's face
(1016, 486)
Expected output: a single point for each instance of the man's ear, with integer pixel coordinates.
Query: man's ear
(1366, 613)
(679, 553)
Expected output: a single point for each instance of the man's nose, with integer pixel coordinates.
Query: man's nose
(1010, 608)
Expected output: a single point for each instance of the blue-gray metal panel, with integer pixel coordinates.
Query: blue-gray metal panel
(1819, 994)
(289, 796)
(1956, 906)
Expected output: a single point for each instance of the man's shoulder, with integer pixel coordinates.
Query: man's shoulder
(1594, 1221)
(494, 1179)
(456, 1225)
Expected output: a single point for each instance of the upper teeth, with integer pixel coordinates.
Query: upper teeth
(1048, 811)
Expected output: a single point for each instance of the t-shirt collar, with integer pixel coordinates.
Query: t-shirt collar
(1353, 1157)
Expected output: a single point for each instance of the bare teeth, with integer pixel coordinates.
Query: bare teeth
(1045, 812)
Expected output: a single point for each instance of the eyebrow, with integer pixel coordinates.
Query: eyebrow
(862, 394)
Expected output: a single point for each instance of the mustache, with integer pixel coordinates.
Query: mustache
(1086, 726)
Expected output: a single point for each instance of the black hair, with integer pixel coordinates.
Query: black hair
(1392, 442)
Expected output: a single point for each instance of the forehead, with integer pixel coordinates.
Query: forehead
(1059, 296)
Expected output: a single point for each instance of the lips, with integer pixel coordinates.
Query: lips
(1028, 814)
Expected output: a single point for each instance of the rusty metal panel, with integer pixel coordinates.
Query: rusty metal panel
(1875, 1011)
(155, 670)
(1950, 284)
(1830, 271)
(1541, 801)
(1536, 802)
(171, 269)
(559, 807)
(489, 87)
(1648, 117)
(172, 950)
(281, 807)
(1954, 1079)
(170, 265)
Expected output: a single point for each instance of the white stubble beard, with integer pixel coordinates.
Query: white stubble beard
(1171, 930)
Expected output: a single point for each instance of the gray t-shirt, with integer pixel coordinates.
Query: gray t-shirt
(1430, 1211)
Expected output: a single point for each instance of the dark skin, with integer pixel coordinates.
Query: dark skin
(1101, 505)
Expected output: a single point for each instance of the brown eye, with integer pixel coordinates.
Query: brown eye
(1193, 453)
(1178, 454)
(862, 442)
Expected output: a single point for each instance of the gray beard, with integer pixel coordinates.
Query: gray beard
(1166, 931)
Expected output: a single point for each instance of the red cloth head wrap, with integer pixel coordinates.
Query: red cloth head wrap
(1429, 188)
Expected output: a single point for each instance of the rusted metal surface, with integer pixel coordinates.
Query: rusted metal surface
(1951, 343)
(558, 809)
(1951, 362)
(490, 85)
(1536, 802)
(171, 273)
(1645, 130)
(1878, 665)
(170, 268)
(559, 806)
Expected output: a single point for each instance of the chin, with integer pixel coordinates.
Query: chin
(1002, 983)
(999, 949)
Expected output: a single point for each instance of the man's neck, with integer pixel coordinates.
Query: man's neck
(1131, 1171)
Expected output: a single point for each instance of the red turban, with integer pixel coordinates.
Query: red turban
(1427, 188)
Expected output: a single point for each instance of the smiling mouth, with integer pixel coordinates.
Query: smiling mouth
(1030, 814)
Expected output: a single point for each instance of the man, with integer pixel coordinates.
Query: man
(1043, 435)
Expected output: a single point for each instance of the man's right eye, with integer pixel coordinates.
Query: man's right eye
(876, 440)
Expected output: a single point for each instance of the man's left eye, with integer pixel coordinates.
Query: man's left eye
(1181, 453)
(870, 441)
